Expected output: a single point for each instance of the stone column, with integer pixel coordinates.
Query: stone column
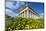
(24, 13)
(30, 14)
(27, 13)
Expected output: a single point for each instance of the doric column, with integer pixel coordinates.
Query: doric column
(30, 14)
(24, 13)
(27, 13)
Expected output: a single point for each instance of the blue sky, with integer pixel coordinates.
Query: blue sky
(12, 7)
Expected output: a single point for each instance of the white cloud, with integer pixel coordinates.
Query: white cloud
(41, 15)
(10, 12)
(10, 5)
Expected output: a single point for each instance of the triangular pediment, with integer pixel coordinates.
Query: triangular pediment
(22, 9)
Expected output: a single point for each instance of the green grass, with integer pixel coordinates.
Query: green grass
(23, 23)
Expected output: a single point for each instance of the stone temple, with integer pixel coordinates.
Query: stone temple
(27, 12)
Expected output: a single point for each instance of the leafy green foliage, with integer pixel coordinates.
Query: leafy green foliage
(20, 23)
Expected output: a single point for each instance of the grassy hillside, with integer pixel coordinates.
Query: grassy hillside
(23, 23)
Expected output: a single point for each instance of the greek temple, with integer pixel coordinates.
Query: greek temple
(27, 12)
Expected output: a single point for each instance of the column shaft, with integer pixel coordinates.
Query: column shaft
(30, 14)
(27, 13)
(24, 13)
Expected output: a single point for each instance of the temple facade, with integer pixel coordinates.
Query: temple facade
(27, 12)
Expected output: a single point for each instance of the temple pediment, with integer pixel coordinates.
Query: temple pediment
(27, 12)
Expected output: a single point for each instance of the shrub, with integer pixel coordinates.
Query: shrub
(20, 23)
